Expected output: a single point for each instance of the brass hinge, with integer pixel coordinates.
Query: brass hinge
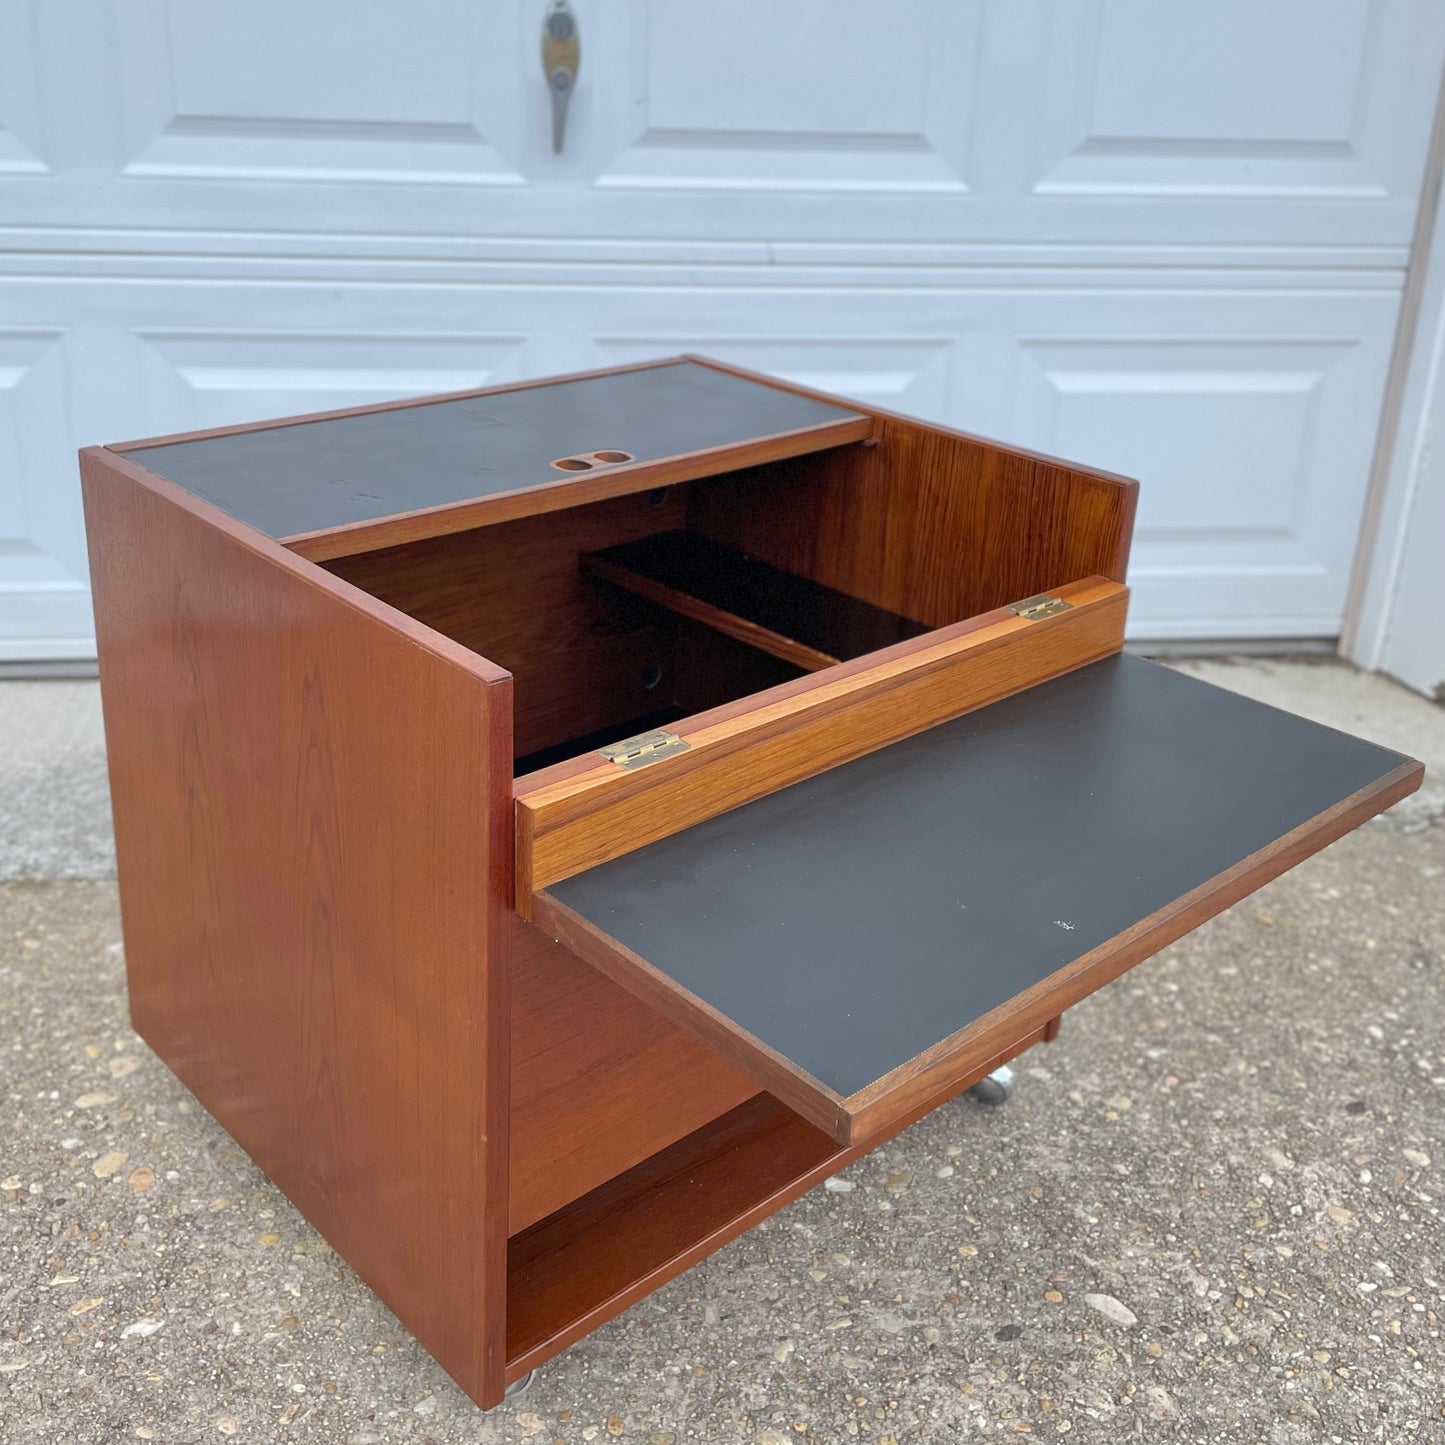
(645, 748)
(1042, 606)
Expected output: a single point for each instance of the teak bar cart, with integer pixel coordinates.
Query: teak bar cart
(560, 824)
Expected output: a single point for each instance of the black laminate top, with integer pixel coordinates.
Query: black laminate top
(855, 919)
(828, 621)
(309, 476)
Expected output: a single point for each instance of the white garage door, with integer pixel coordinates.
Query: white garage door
(1166, 239)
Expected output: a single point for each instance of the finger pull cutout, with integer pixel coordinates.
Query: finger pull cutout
(587, 461)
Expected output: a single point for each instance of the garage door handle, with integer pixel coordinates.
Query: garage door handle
(561, 57)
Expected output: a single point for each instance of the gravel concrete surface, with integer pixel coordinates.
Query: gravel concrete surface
(54, 794)
(1331, 691)
(55, 817)
(1212, 1213)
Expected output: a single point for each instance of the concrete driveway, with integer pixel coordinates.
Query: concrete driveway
(1213, 1212)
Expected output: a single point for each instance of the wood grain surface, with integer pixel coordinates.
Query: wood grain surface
(599, 1081)
(578, 1268)
(928, 522)
(513, 592)
(312, 811)
(578, 821)
(789, 616)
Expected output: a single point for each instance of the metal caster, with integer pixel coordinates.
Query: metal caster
(520, 1385)
(996, 1088)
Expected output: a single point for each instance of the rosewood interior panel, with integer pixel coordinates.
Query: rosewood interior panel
(928, 523)
(781, 613)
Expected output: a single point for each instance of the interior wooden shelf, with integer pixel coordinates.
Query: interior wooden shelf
(592, 1258)
(778, 612)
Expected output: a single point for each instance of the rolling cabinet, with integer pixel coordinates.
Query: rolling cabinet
(559, 825)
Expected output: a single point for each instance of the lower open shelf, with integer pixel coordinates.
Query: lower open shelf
(588, 1261)
(778, 612)
(593, 1258)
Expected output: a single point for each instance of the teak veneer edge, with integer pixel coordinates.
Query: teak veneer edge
(791, 733)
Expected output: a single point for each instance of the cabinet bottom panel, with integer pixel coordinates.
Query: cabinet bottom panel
(572, 1271)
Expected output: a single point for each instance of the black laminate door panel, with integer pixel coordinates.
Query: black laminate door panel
(853, 920)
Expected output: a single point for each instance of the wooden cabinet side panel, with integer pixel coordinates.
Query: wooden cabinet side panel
(312, 809)
(929, 523)
(600, 1081)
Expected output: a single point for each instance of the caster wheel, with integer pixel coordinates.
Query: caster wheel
(520, 1385)
(996, 1088)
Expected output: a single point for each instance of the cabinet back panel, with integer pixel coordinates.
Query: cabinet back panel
(931, 524)
(514, 593)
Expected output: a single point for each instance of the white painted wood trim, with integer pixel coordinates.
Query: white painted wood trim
(1396, 617)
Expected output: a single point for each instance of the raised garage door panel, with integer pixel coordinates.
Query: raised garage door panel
(999, 214)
